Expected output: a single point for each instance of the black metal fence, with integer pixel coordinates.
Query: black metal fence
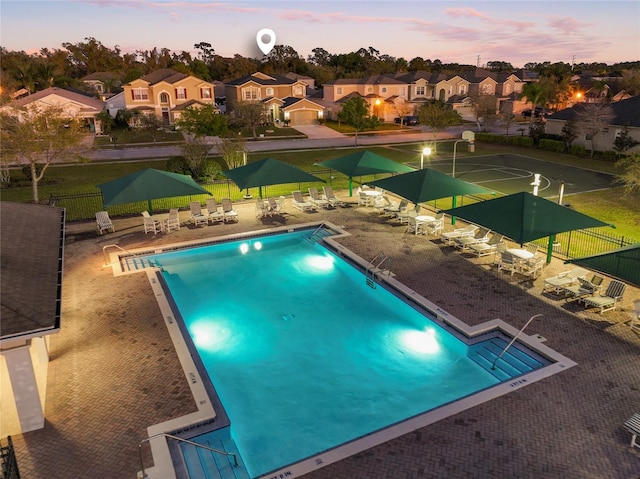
(9, 461)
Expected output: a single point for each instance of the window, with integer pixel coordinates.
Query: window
(369, 89)
(339, 90)
(508, 88)
(462, 90)
(250, 94)
(269, 91)
(384, 89)
(420, 90)
(297, 91)
(487, 89)
(164, 98)
(205, 92)
(181, 93)
(140, 94)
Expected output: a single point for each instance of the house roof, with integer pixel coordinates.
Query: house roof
(165, 74)
(477, 75)
(89, 101)
(370, 80)
(101, 76)
(290, 100)
(31, 247)
(262, 79)
(626, 112)
(190, 103)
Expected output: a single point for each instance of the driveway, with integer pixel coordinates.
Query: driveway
(318, 132)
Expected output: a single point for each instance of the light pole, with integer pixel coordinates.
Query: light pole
(425, 151)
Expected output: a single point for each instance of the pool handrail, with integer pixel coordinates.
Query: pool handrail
(143, 475)
(493, 366)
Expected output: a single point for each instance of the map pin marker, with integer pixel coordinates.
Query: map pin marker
(266, 47)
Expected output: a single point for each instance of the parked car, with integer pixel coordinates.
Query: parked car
(539, 112)
(407, 120)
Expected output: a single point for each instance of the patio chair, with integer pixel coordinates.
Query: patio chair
(150, 223)
(103, 222)
(196, 215)
(490, 247)
(609, 300)
(436, 226)
(633, 426)
(450, 237)
(228, 213)
(405, 214)
(507, 263)
(566, 278)
(380, 203)
(314, 197)
(300, 203)
(173, 221)
(363, 198)
(414, 226)
(212, 211)
(330, 197)
(262, 209)
(635, 315)
(584, 287)
(281, 205)
(532, 248)
(531, 267)
(481, 236)
(274, 206)
(394, 208)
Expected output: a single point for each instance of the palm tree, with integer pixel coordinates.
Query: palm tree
(536, 94)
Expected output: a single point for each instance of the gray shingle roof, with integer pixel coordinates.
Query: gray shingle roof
(626, 112)
(69, 95)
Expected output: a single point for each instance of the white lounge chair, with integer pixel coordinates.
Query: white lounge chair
(583, 288)
(609, 300)
(228, 213)
(633, 426)
(450, 237)
(635, 315)
(566, 278)
(490, 247)
(150, 223)
(103, 222)
(314, 197)
(196, 215)
(481, 236)
(262, 209)
(212, 211)
(275, 207)
(300, 203)
(173, 221)
(330, 197)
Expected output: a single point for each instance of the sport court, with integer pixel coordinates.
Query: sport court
(506, 174)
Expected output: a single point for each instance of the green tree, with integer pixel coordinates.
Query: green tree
(107, 121)
(484, 109)
(438, 116)
(624, 141)
(536, 94)
(233, 151)
(355, 112)
(569, 132)
(150, 123)
(195, 151)
(203, 121)
(38, 137)
(249, 114)
(630, 178)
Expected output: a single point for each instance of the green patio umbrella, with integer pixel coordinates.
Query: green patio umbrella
(364, 163)
(622, 263)
(426, 185)
(147, 185)
(524, 217)
(268, 171)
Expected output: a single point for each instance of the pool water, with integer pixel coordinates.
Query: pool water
(303, 354)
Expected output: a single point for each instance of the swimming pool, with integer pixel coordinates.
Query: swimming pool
(306, 355)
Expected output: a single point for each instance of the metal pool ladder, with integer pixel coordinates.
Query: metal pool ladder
(317, 235)
(375, 266)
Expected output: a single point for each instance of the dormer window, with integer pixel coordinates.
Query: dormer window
(269, 91)
(205, 92)
(297, 90)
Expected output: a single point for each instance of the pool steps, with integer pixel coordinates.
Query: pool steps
(512, 364)
(204, 464)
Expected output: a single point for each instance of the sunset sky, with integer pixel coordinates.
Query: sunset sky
(516, 31)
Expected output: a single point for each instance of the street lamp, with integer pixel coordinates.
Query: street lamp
(425, 151)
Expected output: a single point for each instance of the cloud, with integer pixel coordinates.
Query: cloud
(567, 25)
(172, 6)
(464, 12)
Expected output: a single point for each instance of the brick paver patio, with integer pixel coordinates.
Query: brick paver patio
(114, 372)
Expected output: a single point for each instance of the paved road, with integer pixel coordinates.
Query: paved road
(317, 140)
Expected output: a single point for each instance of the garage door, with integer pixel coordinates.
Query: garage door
(303, 117)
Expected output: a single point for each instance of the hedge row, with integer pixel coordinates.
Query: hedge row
(510, 140)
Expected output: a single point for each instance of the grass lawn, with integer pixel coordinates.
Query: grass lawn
(610, 205)
(134, 136)
(344, 128)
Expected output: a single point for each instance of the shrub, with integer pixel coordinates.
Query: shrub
(490, 138)
(552, 145)
(177, 164)
(578, 150)
(211, 169)
(26, 170)
(520, 140)
(609, 155)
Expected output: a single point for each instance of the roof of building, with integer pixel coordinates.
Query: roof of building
(61, 92)
(31, 247)
(165, 74)
(370, 80)
(101, 76)
(626, 112)
(262, 79)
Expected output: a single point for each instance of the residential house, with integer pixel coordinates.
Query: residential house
(625, 113)
(166, 93)
(75, 105)
(104, 83)
(285, 99)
